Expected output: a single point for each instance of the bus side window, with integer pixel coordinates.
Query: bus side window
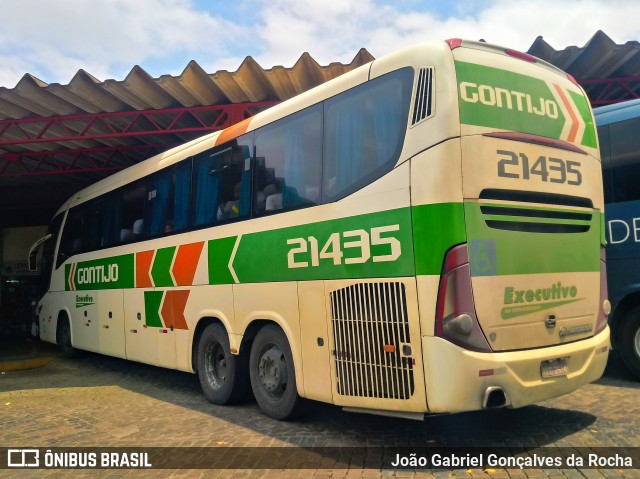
(222, 182)
(625, 160)
(129, 212)
(364, 133)
(168, 195)
(289, 162)
(72, 234)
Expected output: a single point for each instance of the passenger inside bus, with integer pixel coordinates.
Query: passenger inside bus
(273, 198)
(231, 209)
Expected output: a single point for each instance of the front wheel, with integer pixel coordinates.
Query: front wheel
(629, 341)
(63, 338)
(223, 376)
(273, 378)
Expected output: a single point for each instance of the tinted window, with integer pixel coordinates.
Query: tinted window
(288, 167)
(72, 241)
(129, 203)
(168, 198)
(364, 132)
(49, 249)
(222, 182)
(625, 159)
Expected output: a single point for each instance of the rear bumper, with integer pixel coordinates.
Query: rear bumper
(457, 379)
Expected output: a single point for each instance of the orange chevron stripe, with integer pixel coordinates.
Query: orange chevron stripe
(186, 262)
(233, 131)
(172, 312)
(573, 131)
(143, 267)
(72, 273)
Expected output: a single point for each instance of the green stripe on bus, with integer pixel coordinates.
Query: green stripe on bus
(589, 138)
(161, 269)
(152, 302)
(436, 228)
(363, 246)
(501, 99)
(220, 251)
(516, 252)
(67, 277)
(105, 273)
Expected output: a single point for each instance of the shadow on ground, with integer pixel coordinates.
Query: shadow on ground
(529, 427)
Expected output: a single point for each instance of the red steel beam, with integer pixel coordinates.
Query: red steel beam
(84, 160)
(624, 83)
(100, 126)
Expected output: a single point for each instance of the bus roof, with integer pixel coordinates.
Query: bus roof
(605, 115)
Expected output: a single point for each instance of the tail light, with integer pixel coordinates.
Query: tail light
(454, 43)
(522, 56)
(605, 306)
(456, 319)
(573, 80)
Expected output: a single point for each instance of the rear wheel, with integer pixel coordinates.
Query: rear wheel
(63, 338)
(273, 378)
(223, 376)
(629, 341)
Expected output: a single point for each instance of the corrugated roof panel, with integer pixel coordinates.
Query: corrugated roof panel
(176, 89)
(600, 59)
(281, 83)
(9, 110)
(87, 86)
(200, 84)
(146, 88)
(80, 102)
(253, 81)
(32, 97)
(30, 89)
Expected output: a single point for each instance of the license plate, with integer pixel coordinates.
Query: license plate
(553, 368)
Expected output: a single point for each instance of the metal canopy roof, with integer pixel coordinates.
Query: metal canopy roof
(56, 139)
(608, 72)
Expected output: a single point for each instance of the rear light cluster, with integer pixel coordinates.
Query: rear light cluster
(456, 319)
(454, 43)
(605, 306)
(522, 56)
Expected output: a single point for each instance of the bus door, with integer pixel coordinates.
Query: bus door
(111, 323)
(95, 304)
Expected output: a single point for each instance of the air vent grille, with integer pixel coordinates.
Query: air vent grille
(371, 347)
(548, 219)
(423, 103)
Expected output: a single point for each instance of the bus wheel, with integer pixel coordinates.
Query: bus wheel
(63, 338)
(629, 340)
(273, 378)
(223, 376)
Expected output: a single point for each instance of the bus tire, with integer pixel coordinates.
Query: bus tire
(223, 376)
(273, 377)
(63, 337)
(629, 341)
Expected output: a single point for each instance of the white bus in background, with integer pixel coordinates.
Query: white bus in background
(420, 235)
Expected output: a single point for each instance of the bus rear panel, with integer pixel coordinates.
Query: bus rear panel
(519, 315)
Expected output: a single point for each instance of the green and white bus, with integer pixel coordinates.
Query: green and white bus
(421, 235)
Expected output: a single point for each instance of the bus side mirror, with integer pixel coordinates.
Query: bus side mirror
(32, 260)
